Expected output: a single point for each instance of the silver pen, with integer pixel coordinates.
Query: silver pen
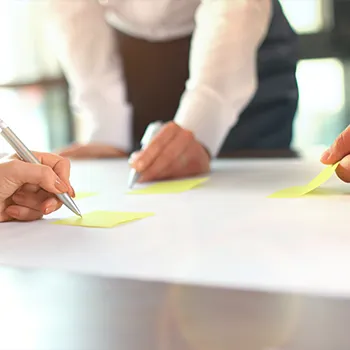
(25, 154)
(151, 131)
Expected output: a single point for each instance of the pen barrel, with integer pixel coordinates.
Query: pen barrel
(22, 151)
(151, 131)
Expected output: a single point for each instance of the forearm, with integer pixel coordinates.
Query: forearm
(223, 67)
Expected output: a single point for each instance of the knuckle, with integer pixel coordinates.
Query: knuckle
(65, 162)
(153, 151)
(46, 172)
(188, 135)
(339, 143)
(16, 165)
(172, 126)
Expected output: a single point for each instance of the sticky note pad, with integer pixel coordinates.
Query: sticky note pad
(103, 219)
(299, 191)
(82, 195)
(165, 187)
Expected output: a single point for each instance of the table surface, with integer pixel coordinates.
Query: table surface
(219, 267)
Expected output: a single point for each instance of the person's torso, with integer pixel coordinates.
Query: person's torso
(152, 19)
(267, 120)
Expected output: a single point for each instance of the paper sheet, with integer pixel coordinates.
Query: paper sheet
(103, 219)
(165, 187)
(82, 195)
(298, 191)
(230, 235)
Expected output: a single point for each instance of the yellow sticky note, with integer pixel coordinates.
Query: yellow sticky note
(103, 219)
(165, 187)
(299, 191)
(82, 195)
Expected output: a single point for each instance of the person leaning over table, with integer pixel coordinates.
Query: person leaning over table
(242, 63)
(27, 190)
(340, 151)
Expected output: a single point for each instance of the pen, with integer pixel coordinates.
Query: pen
(25, 154)
(149, 134)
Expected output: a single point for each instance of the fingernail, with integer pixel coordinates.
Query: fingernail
(13, 212)
(18, 197)
(49, 209)
(51, 206)
(61, 186)
(73, 191)
(325, 155)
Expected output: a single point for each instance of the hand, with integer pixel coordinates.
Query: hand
(173, 153)
(340, 150)
(91, 151)
(26, 190)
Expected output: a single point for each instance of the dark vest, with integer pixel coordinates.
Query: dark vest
(155, 75)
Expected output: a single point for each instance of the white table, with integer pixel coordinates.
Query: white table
(226, 233)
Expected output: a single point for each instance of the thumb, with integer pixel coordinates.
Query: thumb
(19, 173)
(343, 169)
(339, 149)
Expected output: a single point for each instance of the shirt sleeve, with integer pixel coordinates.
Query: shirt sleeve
(87, 51)
(223, 67)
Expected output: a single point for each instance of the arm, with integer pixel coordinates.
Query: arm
(223, 67)
(88, 55)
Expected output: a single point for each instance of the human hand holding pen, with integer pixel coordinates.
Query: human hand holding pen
(340, 151)
(27, 191)
(173, 153)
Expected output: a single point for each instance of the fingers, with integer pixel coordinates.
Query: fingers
(30, 188)
(22, 213)
(133, 157)
(343, 169)
(41, 201)
(193, 160)
(173, 153)
(196, 161)
(60, 165)
(19, 173)
(146, 158)
(339, 149)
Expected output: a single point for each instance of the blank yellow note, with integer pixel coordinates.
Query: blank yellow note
(82, 195)
(103, 219)
(165, 187)
(299, 191)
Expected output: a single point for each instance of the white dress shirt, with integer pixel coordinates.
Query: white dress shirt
(222, 66)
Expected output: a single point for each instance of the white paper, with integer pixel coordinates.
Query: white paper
(225, 233)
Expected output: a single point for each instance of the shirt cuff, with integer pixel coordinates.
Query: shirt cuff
(204, 112)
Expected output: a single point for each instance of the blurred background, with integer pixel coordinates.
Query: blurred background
(34, 94)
